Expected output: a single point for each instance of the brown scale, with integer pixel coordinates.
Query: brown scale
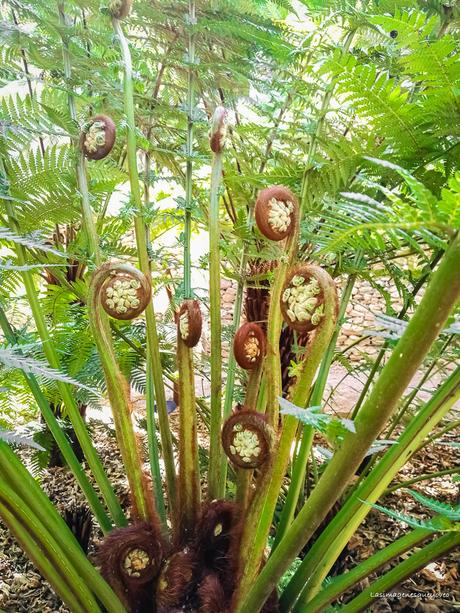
(129, 560)
(256, 304)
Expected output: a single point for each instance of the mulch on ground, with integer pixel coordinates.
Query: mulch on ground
(23, 590)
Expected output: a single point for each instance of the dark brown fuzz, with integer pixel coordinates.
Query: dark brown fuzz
(211, 595)
(176, 579)
(216, 531)
(247, 438)
(130, 559)
(249, 346)
(189, 322)
(98, 137)
(276, 212)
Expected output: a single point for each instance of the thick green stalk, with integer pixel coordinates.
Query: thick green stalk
(189, 469)
(153, 346)
(327, 547)
(45, 552)
(407, 403)
(18, 478)
(342, 583)
(440, 297)
(301, 460)
(64, 446)
(216, 329)
(52, 357)
(260, 513)
(375, 367)
(191, 17)
(272, 365)
(118, 390)
(408, 567)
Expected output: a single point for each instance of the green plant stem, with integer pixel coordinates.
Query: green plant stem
(272, 365)
(243, 482)
(154, 453)
(118, 390)
(64, 446)
(216, 329)
(301, 459)
(342, 583)
(408, 567)
(189, 469)
(45, 552)
(231, 366)
(440, 297)
(252, 387)
(260, 513)
(418, 387)
(82, 182)
(431, 439)
(153, 346)
(424, 477)
(65, 392)
(191, 17)
(333, 539)
(18, 478)
(375, 367)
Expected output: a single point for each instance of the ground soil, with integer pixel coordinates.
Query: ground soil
(23, 590)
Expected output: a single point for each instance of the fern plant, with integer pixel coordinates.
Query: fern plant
(360, 130)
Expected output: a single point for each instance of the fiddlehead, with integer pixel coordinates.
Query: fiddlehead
(98, 137)
(130, 559)
(119, 9)
(302, 298)
(247, 439)
(249, 346)
(190, 322)
(176, 579)
(276, 212)
(125, 294)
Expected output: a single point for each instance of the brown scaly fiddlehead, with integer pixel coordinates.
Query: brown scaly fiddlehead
(123, 292)
(276, 212)
(98, 137)
(211, 595)
(249, 346)
(247, 439)
(177, 579)
(130, 559)
(119, 9)
(190, 322)
(302, 298)
(249, 349)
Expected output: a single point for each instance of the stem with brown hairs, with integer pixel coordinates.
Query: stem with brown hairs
(118, 389)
